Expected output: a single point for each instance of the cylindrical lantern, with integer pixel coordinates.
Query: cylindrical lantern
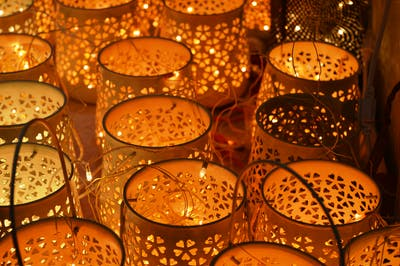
(155, 128)
(377, 247)
(338, 22)
(84, 27)
(292, 127)
(141, 66)
(64, 241)
(22, 101)
(40, 183)
(17, 16)
(314, 68)
(292, 215)
(215, 34)
(26, 57)
(178, 212)
(263, 253)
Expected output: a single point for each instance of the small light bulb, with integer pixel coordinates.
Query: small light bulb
(89, 176)
(203, 170)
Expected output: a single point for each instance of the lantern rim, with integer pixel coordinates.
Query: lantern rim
(275, 169)
(26, 36)
(373, 234)
(236, 9)
(71, 174)
(266, 244)
(18, 13)
(228, 216)
(50, 86)
(129, 144)
(93, 10)
(26, 227)
(166, 74)
(350, 77)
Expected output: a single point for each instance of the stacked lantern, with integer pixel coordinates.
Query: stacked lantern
(292, 215)
(328, 78)
(141, 66)
(178, 212)
(216, 36)
(157, 127)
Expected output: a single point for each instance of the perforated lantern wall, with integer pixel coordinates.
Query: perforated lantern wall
(292, 127)
(341, 23)
(22, 101)
(176, 216)
(314, 68)
(257, 15)
(45, 19)
(262, 253)
(141, 66)
(64, 241)
(215, 34)
(292, 215)
(155, 128)
(40, 183)
(26, 57)
(17, 16)
(84, 27)
(377, 247)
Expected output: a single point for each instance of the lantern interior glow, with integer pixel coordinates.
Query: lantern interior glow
(159, 121)
(21, 101)
(313, 61)
(174, 193)
(38, 173)
(20, 52)
(145, 57)
(9, 8)
(348, 193)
